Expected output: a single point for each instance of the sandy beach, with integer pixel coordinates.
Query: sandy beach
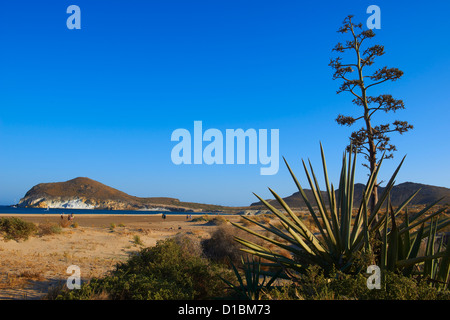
(29, 268)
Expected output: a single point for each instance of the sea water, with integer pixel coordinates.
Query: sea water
(19, 210)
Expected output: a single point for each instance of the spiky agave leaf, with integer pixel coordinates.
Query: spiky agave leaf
(414, 250)
(444, 268)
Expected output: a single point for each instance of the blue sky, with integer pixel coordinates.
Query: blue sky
(102, 102)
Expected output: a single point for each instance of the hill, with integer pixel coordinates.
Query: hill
(85, 193)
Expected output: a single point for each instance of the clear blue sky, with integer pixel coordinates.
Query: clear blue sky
(102, 102)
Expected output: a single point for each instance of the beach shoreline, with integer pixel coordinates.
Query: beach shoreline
(88, 219)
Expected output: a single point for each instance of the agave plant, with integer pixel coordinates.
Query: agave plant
(255, 279)
(345, 230)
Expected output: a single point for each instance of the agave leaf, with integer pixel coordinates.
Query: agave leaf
(366, 195)
(387, 189)
(365, 226)
(328, 235)
(241, 288)
(409, 262)
(306, 257)
(275, 242)
(407, 235)
(271, 228)
(429, 264)
(421, 212)
(284, 218)
(444, 267)
(328, 219)
(302, 229)
(373, 176)
(274, 276)
(343, 203)
(384, 251)
(357, 224)
(401, 248)
(305, 199)
(382, 199)
(351, 191)
(319, 193)
(442, 224)
(331, 200)
(405, 203)
(414, 250)
(392, 244)
(359, 236)
(279, 259)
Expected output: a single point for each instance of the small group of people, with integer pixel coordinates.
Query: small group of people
(189, 217)
(70, 217)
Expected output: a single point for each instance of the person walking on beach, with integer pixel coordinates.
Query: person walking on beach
(62, 216)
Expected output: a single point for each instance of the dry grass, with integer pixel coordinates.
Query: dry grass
(12, 281)
(32, 275)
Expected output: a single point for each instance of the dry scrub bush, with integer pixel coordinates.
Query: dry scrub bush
(221, 246)
(65, 223)
(189, 244)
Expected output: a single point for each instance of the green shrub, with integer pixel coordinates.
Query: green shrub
(137, 240)
(17, 229)
(399, 287)
(164, 271)
(218, 220)
(202, 218)
(340, 286)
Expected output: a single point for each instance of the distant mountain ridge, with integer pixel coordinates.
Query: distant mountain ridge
(399, 194)
(85, 193)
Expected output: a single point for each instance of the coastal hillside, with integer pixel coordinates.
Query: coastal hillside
(399, 194)
(85, 193)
